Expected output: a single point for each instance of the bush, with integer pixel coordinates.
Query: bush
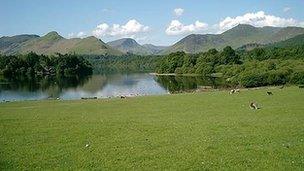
(297, 77)
(253, 79)
(277, 77)
(205, 69)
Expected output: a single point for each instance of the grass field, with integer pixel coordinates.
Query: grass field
(212, 130)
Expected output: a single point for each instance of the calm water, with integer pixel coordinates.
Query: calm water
(100, 86)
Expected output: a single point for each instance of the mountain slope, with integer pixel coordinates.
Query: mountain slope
(195, 43)
(154, 49)
(92, 45)
(236, 37)
(246, 34)
(53, 43)
(287, 33)
(42, 44)
(295, 41)
(9, 44)
(129, 45)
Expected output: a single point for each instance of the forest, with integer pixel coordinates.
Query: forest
(257, 67)
(128, 63)
(32, 65)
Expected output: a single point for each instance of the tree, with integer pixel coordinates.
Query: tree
(229, 56)
(205, 69)
(33, 65)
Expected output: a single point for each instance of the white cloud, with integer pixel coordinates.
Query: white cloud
(286, 9)
(81, 34)
(178, 11)
(258, 19)
(77, 35)
(177, 28)
(131, 28)
(101, 30)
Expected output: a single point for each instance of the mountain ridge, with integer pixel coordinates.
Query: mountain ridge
(235, 37)
(52, 43)
(129, 45)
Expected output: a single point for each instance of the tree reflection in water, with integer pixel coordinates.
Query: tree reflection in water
(52, 85)
(175, 84)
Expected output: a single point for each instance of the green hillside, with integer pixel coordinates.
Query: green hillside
(91, 46)
(295, 41)
(9, 44)
(53, 43)
(236, 37)
(128, 45)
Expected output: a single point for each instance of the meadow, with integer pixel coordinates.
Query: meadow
(190, 131)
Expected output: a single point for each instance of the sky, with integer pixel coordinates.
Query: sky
(160, 22)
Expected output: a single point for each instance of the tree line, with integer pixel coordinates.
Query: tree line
(258, 67)
(125, 63)
(33, 65)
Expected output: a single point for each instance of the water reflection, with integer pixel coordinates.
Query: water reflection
(33, 89)
(101, 86)
(176, 84)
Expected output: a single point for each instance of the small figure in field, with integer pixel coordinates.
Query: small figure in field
(234, 91)
(269, 93)
(123, 97)
(253, 105)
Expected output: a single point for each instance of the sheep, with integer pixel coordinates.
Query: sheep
(253, 105)
(232, 91)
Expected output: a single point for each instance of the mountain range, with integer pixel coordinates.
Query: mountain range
(236, 37)
(53, 43)
(128, 45)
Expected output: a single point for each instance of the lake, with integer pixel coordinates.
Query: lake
(101, 86)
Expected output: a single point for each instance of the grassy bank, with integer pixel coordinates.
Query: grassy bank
(212, 130)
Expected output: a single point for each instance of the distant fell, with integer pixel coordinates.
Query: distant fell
(236, 37)
(52, 43)
(292, 42)
(128, 45)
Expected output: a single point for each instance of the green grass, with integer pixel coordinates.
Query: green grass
(202, 131)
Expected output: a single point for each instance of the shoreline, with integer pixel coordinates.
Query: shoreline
(172, 74)
(202, 89)
(154, 73)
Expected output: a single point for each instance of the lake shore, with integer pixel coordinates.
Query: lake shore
(172, 74)
(133, 95)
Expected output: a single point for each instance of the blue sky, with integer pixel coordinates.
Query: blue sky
(161, 22)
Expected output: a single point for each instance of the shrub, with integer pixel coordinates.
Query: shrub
(297, 77)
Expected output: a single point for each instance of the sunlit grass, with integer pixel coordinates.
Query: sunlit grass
(212, 130)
